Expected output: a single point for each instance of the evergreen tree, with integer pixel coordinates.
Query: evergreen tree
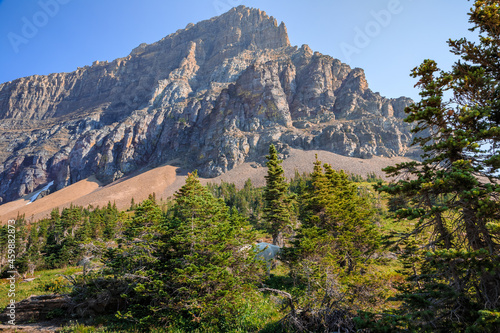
(110, 221)
(202, 255)
(454, 190)
(198, 269)
(277, 208)
(337, 233)
(147, 214)
(330, 257)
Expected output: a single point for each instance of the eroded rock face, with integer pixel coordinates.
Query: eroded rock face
(212, 95)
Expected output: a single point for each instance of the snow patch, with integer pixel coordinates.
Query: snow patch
(37, 193)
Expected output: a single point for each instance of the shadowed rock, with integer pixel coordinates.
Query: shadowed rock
(212, 95)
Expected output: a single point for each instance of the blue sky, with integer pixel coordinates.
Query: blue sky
(387, 38)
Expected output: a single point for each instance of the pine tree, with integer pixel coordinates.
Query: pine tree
(330, 257)
(336, 229)
(277, 206)
(454, 190)
(198, 269)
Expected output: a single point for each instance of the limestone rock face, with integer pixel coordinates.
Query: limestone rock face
(212, 95)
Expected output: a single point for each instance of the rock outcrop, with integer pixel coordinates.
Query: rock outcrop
(210, 96)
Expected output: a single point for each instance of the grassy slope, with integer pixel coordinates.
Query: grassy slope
(45, 282)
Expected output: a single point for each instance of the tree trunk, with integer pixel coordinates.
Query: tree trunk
(278, 239)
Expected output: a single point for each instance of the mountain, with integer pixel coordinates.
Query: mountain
(209, 97)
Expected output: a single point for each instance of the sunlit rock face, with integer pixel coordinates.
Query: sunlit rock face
(210, 96)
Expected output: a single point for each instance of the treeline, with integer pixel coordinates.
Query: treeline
(190, 263)
(74, 233)
(63, 239)
(249, 200)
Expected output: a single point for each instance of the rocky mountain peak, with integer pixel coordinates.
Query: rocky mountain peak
(267, 33)
(210, 96)
(240, 28)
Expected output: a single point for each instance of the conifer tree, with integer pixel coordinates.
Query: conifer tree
(110, 218)
(202, 254)
(147, 214)
(454, 190)
(200, 270)
(330, 256)
(277, 208)
(336, 229)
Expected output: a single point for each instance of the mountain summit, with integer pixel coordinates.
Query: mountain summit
(210, 96)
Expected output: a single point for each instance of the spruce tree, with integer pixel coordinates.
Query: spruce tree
(147, 214)
(198, 265)
(330, 257)
(203, 261)
(337, 232)
(454, 190)
(277, 207)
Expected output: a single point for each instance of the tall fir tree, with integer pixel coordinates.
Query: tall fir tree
(277, 201)
(200, 270)
(330, 257)
(337, 232)
(454, 190)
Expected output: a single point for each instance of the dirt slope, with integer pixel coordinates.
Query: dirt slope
(89, 192)
(165, 180)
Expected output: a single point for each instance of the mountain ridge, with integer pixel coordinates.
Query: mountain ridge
(215, 94)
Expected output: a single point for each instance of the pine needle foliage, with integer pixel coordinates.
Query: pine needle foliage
(453, 192)
(195, 268)
(277, 200)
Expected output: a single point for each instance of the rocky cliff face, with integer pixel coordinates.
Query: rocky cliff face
(211, 96)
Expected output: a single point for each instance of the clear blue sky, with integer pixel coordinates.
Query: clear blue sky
(359, 32)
